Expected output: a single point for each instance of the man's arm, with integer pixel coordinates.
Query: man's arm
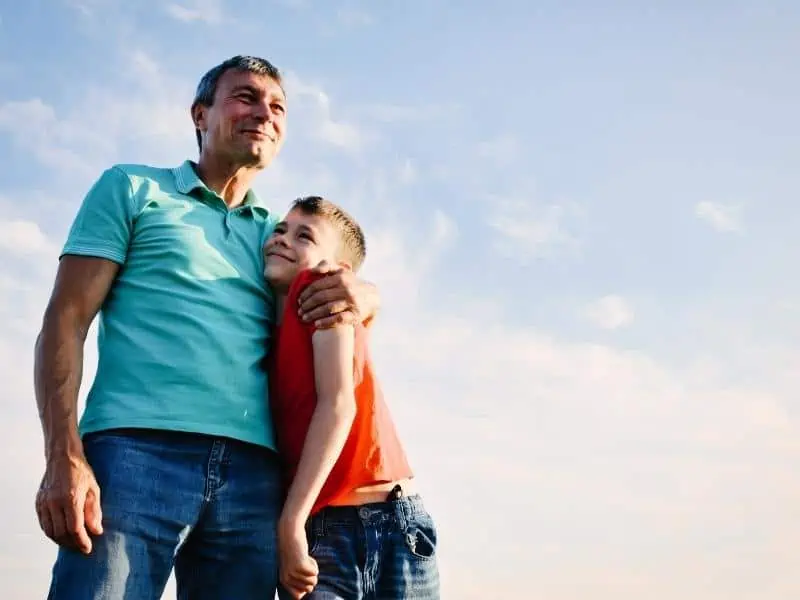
(338, 298)
(326, 436)
(69, 499)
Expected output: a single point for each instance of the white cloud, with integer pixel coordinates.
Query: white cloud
(404, 113)
(501, 150)
(610, 312)
(350, 16)
(605, 454)
(24, 237)
(335, 132)
(81, 141)
(722, 217)
(207, 11)
(524, 230)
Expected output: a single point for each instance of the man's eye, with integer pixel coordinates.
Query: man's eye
(278, 108)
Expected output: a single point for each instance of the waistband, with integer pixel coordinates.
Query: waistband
(402, 508)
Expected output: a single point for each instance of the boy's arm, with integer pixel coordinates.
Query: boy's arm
(330, 423)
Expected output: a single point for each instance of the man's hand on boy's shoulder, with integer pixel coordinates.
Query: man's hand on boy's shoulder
(338, 298)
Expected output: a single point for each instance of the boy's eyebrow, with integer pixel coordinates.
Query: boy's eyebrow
(303, 226)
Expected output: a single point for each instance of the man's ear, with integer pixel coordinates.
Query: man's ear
(198, 113)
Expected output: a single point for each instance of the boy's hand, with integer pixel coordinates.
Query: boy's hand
(299, 572)
(339, 298)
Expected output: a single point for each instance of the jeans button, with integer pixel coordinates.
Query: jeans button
(363, 513)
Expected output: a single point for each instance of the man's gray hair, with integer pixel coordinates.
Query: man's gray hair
(207, 88)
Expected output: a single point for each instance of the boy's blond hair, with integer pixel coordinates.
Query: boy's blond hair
(352, 245)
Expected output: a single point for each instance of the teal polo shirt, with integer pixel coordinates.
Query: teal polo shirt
(185, 328)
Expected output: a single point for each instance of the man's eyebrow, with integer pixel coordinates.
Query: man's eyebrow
(246, 87)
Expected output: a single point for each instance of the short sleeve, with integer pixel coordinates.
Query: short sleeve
(360, 349)
(301, 281)
(104, 223)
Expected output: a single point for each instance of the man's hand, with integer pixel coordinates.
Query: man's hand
(68, 503)
(298, 571)
(338, 298)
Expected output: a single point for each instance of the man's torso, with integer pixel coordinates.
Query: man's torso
(185, 327)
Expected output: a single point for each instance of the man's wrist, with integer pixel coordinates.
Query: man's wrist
(64, 447)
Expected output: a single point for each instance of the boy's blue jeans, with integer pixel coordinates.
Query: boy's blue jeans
(380, 551)
(207, 507)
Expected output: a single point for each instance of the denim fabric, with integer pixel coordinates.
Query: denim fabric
(379, 551)
(206, 506)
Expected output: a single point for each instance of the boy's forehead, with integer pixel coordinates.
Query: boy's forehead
(298, 217)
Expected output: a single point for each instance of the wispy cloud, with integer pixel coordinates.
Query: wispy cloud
(206, 11)
(525, 230)
(722, 217)
(335, 132)
(501, 150)
(24, 238)
(154, 113)
(350, 16)
(610, 312)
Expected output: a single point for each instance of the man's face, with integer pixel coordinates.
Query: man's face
(246, 122)
(298, 242)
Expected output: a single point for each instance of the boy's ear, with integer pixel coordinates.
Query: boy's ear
(345, 264)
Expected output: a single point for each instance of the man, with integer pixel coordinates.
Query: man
(173, 464)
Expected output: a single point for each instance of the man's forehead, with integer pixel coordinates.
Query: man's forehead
(235, 78)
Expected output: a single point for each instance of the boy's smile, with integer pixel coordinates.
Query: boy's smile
(298, 242)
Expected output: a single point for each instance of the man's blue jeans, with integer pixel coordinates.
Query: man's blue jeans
(207, 507)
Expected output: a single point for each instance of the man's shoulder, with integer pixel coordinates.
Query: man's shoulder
(144, 171)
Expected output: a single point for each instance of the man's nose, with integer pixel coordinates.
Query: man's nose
(263, 112)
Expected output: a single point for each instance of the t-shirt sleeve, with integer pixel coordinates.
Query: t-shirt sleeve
(104, 223)
(301, 281)
(360, 355)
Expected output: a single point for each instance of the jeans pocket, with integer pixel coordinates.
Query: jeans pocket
(312, 536)
(420, 537)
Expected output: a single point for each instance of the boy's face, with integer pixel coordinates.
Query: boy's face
(298, 242)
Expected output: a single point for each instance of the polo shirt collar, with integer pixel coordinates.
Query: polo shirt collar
(187, 180)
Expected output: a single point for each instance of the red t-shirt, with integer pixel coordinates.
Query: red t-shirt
(372, 453)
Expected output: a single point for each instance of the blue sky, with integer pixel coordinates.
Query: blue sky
(582, 217)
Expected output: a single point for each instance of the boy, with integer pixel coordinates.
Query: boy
(351, 528)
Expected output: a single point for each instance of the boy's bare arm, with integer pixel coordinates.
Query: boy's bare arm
(330, 423)
(68, 500)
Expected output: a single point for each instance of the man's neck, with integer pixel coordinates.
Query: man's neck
(231, 182)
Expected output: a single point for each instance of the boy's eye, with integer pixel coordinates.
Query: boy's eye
(306, 236)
